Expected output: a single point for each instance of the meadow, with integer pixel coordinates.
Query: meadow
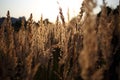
(85, 48)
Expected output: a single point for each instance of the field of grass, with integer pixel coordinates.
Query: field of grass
(85, 48)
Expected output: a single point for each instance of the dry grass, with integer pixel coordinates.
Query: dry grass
(85, 48)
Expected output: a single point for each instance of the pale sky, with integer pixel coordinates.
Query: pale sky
(49, 8)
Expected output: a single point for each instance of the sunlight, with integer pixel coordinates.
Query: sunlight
(50, 8)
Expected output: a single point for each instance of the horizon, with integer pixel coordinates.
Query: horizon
(48, 8)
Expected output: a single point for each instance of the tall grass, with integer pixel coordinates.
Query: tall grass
(85, 48)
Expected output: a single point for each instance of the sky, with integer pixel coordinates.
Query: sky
(48, 8)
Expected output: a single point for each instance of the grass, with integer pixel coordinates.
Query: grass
(85, 48)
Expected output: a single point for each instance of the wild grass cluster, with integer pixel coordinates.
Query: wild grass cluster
(85, 48)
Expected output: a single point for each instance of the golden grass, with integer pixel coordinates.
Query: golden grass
(87, 49)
